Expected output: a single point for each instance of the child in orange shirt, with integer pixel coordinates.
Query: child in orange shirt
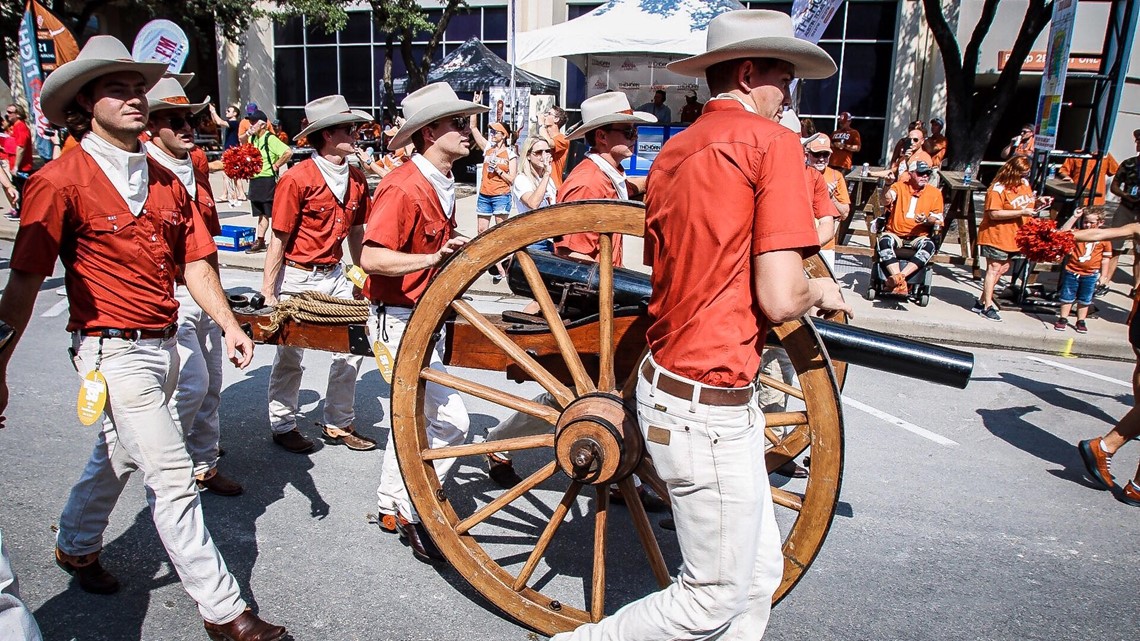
(1082, 270)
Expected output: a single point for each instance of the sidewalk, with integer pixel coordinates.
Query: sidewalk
(947, 319)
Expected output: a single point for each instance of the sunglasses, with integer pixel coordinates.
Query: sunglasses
(460, 123)
(628, 132)
(535, 152)
(821, 155)
(178, 122)
(914, 139)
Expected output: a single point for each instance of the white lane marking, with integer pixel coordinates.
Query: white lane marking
(56, 309)
(898, 422)
(1077, 370)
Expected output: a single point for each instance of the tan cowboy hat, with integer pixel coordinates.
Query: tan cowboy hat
(169, 94)
(427, 105)
(756, 34)
(331, 111)
(101, 55)
(608, 108)
(182, 78)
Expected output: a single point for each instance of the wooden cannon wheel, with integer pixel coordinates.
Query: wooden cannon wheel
(597, 443)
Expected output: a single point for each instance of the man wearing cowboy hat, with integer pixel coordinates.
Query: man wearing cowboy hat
(123, 225)
(728, 223)
(609, 126)
(194, 403)
(410, 230)
(319, 202)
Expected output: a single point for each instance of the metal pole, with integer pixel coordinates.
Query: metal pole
(511, 60)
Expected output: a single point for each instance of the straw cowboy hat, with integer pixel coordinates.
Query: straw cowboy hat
(182, 78)
(756, 34)
(608, 108)
(101, 55)
(169, 94)
(331, 111)
(427, 105)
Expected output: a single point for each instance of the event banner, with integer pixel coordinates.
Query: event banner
(162, 41)
(811, 17)
(1056, 68)
(638, 76)
(45, 43)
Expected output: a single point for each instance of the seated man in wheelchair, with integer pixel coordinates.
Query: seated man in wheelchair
(915, 211)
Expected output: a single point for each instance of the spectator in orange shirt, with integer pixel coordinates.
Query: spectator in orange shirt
(916, 207)
(818, 150)
(909, 155)
(1083, 266)
(936, 144)
(845, 142)
(1080, 171)
(1022, 144)
(551, 131)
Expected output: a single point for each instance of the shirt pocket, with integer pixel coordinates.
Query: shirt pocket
(433, 231)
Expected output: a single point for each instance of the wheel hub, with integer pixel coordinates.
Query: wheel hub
(597, 440)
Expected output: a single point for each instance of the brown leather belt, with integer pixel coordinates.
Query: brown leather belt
(166, 333)
(313, 267)
(722, 396)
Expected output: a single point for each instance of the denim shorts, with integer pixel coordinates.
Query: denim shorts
(1077, 288)
(497, 205)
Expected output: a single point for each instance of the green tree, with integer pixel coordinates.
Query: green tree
(400, 21)
(972, 115)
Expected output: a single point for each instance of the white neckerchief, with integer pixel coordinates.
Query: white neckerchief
(444, 186)
(183, 169)
(126, 170)
(336, 176)
(729, 96)
(615, 176)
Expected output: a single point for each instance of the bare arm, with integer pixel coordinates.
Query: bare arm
(283, 160)
(16, 309)
(1008, 214)
(20, 151)
(355, 243)
(825, 230)
(203, 283)
(1131, 230)
(533, 199)
(512, 170)
(274, 263)
(478, 135)
(218, 119)
(784, 293)
(382, 261)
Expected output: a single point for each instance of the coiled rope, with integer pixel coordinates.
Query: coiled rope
(315, 307)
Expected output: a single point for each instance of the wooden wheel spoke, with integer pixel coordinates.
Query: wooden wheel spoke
(789, 447)
(598, 580)
(560, 392)
(489, 510)
(645, 532)
(648, 475)
(566, 345)
(606, 378)
(787, 499)
(487, 447)
(785, 419)
(547, 536)
(781, 386)
(487, 393)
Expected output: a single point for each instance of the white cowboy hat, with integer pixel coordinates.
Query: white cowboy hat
(331, 111)
(756, 33)
(169, 94)
(608, 108)
(101, 55)
(182, 78)
(427, 105)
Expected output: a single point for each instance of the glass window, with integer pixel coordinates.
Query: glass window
(358, 29)
(291, 120)
(871, 132)
(464, 24)
(289, 68)
(579, 10)
(495, 24)
(866, 78)
(499, 49)
(321, 71)
(834, 30)
(819, 96)
(356, 76)
(316, 34)
(289, 31)
(871, 20)
(433, 16)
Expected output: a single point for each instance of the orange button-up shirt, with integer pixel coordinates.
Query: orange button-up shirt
(119, 268)
(728, 188)
(904, 222)
(406, 217)
(307, 210)
(587, 182)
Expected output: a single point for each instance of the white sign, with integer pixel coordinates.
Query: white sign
(1053, 79)
(162, 41)
(639, 76)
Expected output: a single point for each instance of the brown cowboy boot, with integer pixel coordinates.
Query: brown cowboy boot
(87, 572)
(247, 627)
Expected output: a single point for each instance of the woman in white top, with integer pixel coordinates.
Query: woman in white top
(534, 185)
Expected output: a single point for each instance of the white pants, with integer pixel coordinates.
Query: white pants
(16, 621)
(285, 378)
(194, 404)
(522, 424)
(446, 414)
(139, 434)
(726, 526)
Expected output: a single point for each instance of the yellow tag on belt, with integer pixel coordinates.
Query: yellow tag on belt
(92, 397)
(356, 275)
(384, 360)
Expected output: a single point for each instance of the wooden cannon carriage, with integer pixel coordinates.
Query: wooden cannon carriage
(500, 540)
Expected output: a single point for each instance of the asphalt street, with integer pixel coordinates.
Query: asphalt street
(964, 514)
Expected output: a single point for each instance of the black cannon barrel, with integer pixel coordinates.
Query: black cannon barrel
(902, 356)
(576, 284)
